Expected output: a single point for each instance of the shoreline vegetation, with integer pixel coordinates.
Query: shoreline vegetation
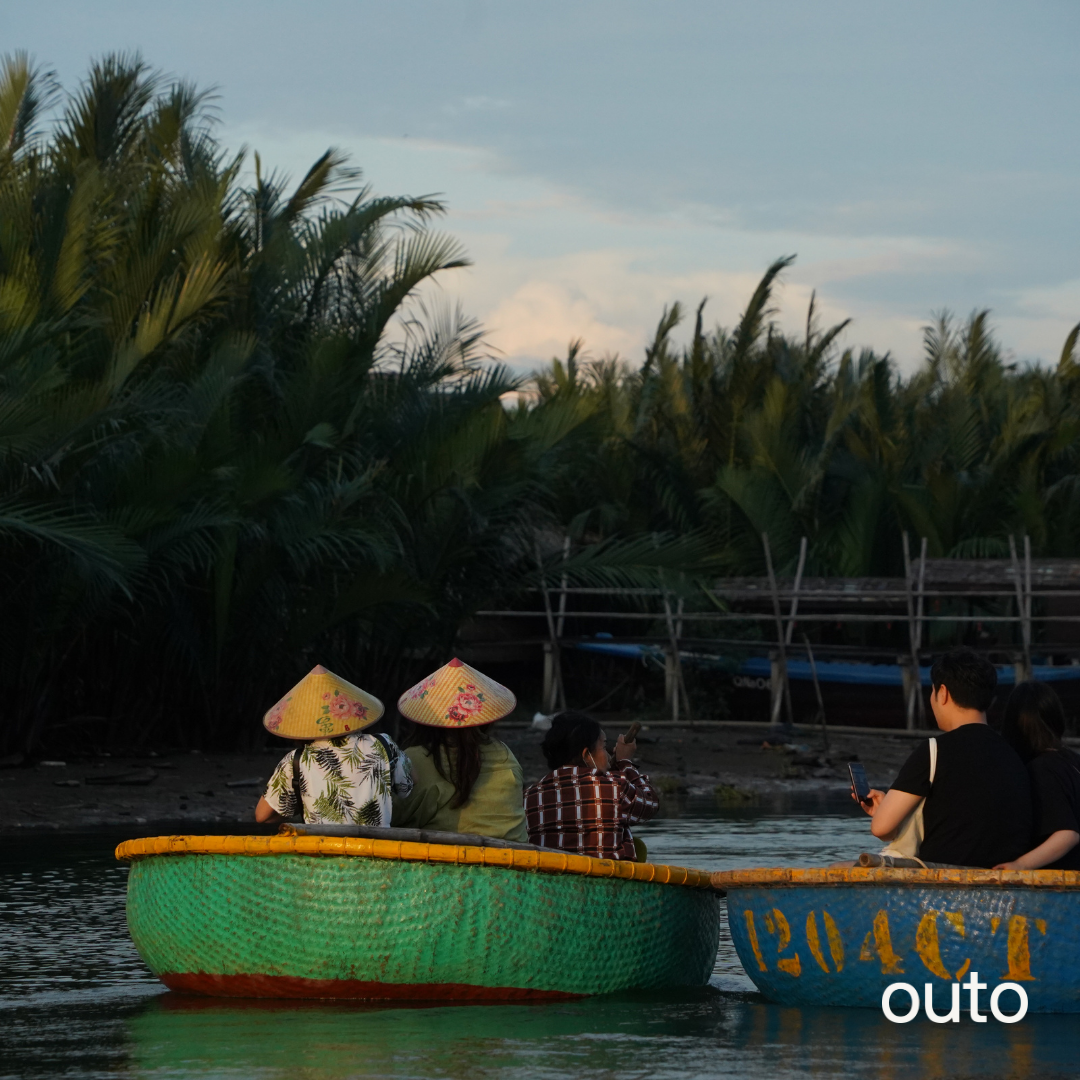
(234, 442)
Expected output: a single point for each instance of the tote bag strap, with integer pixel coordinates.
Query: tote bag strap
(909, 836)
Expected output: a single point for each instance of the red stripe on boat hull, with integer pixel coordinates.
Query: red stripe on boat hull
(290, 986)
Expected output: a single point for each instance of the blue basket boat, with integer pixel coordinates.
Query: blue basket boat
(840, 937)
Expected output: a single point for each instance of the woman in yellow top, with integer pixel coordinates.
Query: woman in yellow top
(464, 779)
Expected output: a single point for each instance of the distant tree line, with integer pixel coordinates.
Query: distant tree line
(234, 442)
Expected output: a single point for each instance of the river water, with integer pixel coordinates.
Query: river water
(76, 1000)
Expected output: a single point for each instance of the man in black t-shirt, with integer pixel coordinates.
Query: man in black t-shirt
(978, 809)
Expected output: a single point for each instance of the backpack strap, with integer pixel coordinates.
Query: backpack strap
(296, 781)
(384, 742)
(933, 760)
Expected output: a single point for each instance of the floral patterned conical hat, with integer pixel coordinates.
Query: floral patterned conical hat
(322, 705)
(456, 696)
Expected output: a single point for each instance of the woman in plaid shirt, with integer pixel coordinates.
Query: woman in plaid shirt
(587, 803)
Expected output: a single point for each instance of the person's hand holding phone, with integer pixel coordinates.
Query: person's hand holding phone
(870, 803)
(867, 797)
(626, 745)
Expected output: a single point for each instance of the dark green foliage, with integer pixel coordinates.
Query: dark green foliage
(750, 431)
(234, 442)
(219, 461)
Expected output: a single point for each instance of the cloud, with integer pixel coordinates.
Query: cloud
(552, 265)
(611, 299)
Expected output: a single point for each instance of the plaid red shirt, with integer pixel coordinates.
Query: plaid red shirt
(589, 812)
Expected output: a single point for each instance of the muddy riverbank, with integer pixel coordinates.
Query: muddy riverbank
(730, 764)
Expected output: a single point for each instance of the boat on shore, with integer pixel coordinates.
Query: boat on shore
(841, 936)
(855, 693)
(347, 916)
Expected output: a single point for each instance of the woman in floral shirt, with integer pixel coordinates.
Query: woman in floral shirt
(338, 776)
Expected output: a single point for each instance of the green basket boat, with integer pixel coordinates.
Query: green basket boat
(303, 916)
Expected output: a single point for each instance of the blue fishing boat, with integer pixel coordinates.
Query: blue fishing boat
(840, 937)
(863, 694)
(758, 670)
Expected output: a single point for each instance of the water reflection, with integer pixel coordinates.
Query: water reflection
(76, 1001)
(707, 1033)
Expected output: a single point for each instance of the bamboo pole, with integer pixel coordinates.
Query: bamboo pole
(915, 708)
(817, 691)
(919, 699)
(560, 625)
(795, 592)
(554, 694)
(913, 658)
(781, 694)
(1022, 607)
(679, 687)
(1027, 598)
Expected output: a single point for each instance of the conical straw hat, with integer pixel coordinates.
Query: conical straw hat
(456, 696)
(322, 705)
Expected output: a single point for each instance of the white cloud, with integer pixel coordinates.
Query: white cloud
(551, 266)
(613, 299)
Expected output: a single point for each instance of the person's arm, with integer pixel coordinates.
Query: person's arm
(1055, 846)
(640, 800)
(264, 812)
(1055, 814)
(277, 802)
(887, 810)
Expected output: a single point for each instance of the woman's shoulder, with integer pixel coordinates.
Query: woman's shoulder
(418, 755)
(565, 775)
(1055, 763)
(425, 771)
(497, 753)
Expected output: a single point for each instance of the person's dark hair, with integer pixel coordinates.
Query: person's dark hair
(971, 679)
(570, 733)
(455, 752)
(1034, 719)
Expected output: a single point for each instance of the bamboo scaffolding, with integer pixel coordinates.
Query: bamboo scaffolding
(804, 601)
(820, 617)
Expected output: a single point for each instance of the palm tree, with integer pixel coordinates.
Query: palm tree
(192, 380)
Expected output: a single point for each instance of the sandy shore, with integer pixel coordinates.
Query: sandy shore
(222, 789)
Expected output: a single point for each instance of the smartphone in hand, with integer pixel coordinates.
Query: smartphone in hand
(859, 784)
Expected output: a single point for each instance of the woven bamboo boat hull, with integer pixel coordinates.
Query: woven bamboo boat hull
(317, 917)
(840, 937)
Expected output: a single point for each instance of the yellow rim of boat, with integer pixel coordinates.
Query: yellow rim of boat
(550, 862)
(783, 878)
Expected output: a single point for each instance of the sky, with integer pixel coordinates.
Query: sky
(602, 159)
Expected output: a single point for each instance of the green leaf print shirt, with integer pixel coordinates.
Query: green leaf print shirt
(343, 781)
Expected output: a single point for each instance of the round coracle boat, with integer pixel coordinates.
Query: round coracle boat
(314, 916)
(840, 937)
